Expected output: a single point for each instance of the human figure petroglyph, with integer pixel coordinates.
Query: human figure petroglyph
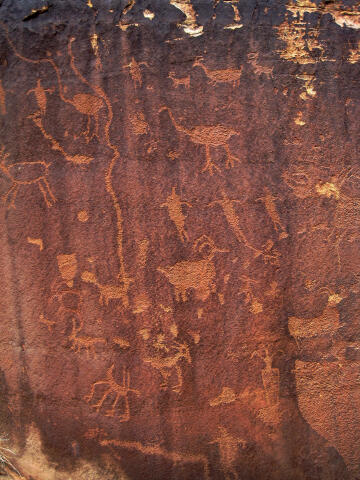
(83, 342)
(228, 75)
(119, 391)
(327, 323)
(233, 220)
(198, 275)
(270, 377)
(40, 95)
(26, 173)
(174, 205)
(209, 136)
(169, 361)
(228, 449)
(269, 202)
(135, 71)
(109, 291)
(177, 82)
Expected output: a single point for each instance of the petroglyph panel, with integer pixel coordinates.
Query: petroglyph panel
(179, 234)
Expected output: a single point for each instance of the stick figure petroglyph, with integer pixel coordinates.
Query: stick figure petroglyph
(26, 173)
(194, 274)
(135, 71)
(209, 136)
(113, 388)
(174, 205)
(40, 95)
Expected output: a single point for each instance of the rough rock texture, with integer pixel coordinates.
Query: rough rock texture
(180, 239)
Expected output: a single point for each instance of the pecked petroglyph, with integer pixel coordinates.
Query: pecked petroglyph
(107, 292)
(228, 75)
(174, 205)
(233, 220)
(208, 136)
(113, 390)
(327, 323)
(40, 96)
(80, 342)
(197, 275)
(168, 362)
(26, 173)
(269, 202)
(77, 159)
(157, 450)
(36, 241)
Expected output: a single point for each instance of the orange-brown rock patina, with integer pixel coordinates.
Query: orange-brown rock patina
(180, 186)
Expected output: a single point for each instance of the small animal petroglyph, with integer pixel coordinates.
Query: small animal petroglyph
(36, 241)
(209, 136)
(228, 75)
(228, 450)
(119, 391)
(328, 323)
(169, 361)
(174, 205)
(198, 275)
(40, 95)
(107, 292)
(83, 342)
(177, 82)
(26, 173)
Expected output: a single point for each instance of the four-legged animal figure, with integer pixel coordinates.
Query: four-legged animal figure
(26, 173)
(166, 365)
(113, 388)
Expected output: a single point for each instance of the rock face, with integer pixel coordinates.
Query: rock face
(180, 218)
